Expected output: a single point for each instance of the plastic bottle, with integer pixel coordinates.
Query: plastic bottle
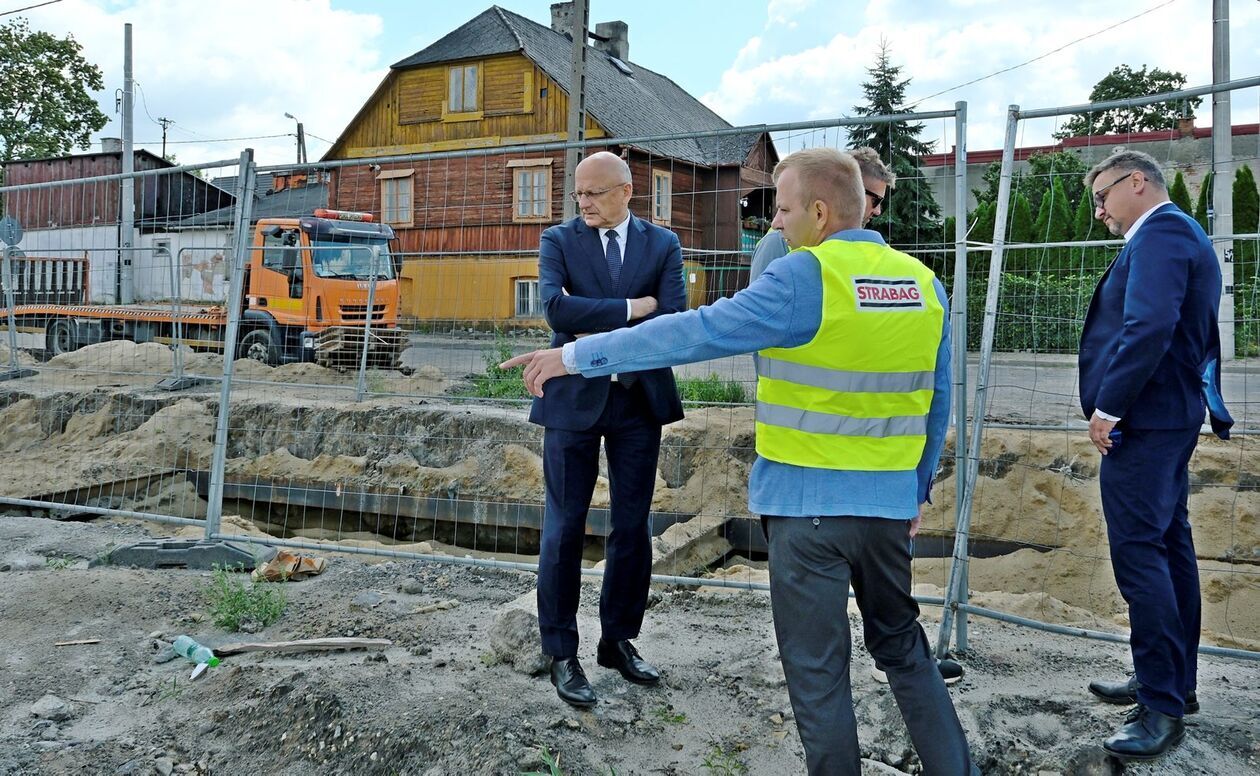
(185, 647)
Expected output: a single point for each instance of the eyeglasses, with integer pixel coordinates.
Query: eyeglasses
(876, 199)
(1100, 196)
(577, 196)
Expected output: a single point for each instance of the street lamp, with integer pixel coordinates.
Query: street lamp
(301, 139)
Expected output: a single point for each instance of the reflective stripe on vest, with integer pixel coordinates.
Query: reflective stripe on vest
(856, 397)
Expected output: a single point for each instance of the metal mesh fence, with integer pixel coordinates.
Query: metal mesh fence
(315, 380)
(1034, 474)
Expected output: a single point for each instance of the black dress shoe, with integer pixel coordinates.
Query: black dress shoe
(571, 683)
(1125, 692)
(1146, 734)
(622, 656)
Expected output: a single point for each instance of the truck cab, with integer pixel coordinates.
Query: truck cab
(307, 286)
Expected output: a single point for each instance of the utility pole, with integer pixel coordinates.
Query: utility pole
(1221, 214)
(577, 101)
(165, 122)
(301, 139)
(125, 286)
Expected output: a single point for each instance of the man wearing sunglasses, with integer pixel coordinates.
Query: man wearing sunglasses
(877, 179)
(1149, 365)
(852, 408)
(603, 270)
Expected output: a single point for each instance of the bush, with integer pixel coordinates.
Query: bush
(234, 604)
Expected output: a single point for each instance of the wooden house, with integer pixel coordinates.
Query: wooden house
(468, 226)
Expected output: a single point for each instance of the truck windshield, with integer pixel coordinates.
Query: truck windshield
(348, 260)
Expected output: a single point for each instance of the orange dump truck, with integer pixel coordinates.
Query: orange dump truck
(306, 290)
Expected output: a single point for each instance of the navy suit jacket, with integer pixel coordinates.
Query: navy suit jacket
(571, 258)
(1150, 348)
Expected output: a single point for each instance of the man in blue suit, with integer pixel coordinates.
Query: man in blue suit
(601, 271)
(1149, 364)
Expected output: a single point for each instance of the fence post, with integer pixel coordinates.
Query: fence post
(361, 385)
(236, 294)
(14, 371)
(958, 568)
(959, 331)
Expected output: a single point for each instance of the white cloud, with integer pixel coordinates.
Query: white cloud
(942, 45)
(231, 68)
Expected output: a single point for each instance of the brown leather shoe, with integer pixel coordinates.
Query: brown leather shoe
(1145, 735)
(571, 683)
(622, 656)
(1125, 693)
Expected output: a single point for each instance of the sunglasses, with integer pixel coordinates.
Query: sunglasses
(876, 199)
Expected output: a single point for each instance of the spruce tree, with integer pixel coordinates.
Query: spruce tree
(1180, 195)
(1246, 221)
(981, 229)
(1054, 220)
(1019, 230)
(1085, 226)
(1201, 207)
(911, 214)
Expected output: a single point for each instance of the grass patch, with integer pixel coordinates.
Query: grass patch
(496, 383)
(59, 562)
(711, 390)
(667, 715)
(234, 603)
(720, 762)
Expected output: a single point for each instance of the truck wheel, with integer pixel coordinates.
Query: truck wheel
(257, 344)
(60, 338)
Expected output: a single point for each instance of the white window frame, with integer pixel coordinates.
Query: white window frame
(662, 197)
(467, 75)
(398, 203)
(533, 299)
(532, 177)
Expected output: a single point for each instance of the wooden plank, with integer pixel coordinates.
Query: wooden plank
(76, 642)
(303, 645)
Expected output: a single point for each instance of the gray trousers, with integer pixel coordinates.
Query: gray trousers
(812, 563)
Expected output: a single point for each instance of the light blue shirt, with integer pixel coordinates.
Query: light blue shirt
(781, 308)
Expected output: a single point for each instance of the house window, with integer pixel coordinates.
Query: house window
(661, 183)
(397, 204)
(528, 303)
(461, 91)
(531, 189)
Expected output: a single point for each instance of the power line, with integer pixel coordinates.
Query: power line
(213, 140)
(1043, 56)
(29, 7)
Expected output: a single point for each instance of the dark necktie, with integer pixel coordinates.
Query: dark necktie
(614, 258)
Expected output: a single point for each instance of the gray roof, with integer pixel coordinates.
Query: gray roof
(641, 104)
(286, 203)
(262, 182)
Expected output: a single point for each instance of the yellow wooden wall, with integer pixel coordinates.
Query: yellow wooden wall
(405, 115)
(467, 288)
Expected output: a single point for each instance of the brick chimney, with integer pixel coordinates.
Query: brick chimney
(562, 17)
(111, 145)
(613, 38)
(1185, 127)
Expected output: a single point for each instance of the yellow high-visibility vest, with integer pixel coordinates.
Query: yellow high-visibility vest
(857, 396)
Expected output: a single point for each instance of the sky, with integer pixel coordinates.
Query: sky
(226, 72)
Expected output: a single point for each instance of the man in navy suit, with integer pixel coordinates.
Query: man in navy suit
(1149, 364)
(601, 271)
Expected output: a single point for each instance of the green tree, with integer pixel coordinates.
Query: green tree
(1180, 195)
(911, 213)
(1085, 226)
(982, 223)
(1204, 202)
(46, 108)
(1041, 171)
(1019, 228)
(1246, 221)
(1123, 83)
(1054, 219)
